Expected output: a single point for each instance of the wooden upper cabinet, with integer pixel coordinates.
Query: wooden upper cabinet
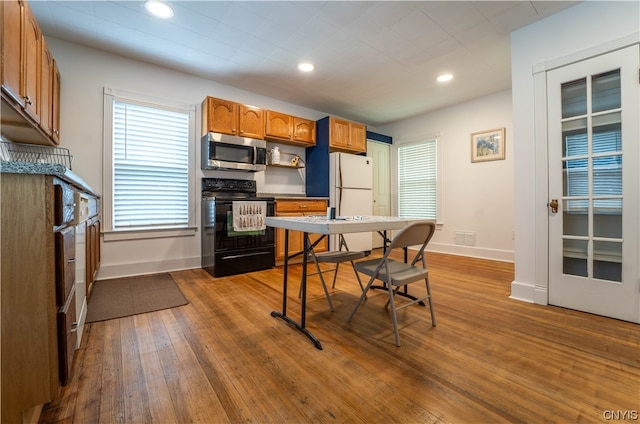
(289, 129)
(12, 49)
(227, 117)
(278, 125)
(46, 92)
(219, 115)
(358, 136)
(30, 83)
(251, 122)
(347, 136)
(32, 55)
(304, 130)
(55, 103)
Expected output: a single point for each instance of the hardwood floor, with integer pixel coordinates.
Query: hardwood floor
(223, 358)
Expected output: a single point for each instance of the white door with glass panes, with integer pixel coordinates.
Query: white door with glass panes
(593, 135)
(380, 152)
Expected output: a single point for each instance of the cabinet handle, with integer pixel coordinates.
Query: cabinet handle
(233, 130)
(71, 260)
(303, 206)
(241, 131)
(27, 100)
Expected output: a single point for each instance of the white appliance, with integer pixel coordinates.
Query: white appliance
(351, 193)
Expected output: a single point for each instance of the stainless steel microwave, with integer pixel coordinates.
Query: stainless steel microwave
(223, 151)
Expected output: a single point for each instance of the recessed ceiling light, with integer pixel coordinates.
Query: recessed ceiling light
(159, 9)
(445, 78)
(306, 67)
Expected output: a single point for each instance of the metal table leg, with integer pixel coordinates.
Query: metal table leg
(283, 315)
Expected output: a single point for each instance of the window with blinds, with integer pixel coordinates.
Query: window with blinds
(606, 157)
(150, 167)
(418, 179)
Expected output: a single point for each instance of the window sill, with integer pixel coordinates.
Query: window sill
(148, 234)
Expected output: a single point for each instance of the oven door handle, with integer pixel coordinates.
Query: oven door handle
(247, 255)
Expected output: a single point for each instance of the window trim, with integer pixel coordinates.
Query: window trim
(109, 96)
(437, 137)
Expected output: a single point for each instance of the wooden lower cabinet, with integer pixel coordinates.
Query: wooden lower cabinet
(92, 252)
(295, 207)
(38, 293)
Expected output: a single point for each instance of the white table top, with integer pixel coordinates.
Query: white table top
(341, 225)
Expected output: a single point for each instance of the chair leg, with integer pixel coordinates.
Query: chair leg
(362, 297)
(394, 318)
(324, 287)
(433, 317)
(357, 277)
(335, 275)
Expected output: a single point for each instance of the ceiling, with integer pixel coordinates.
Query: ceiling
(376, 62)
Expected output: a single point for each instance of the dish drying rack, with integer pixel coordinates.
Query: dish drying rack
(31, 153)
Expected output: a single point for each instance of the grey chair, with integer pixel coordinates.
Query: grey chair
(333, 257)
(395, 274)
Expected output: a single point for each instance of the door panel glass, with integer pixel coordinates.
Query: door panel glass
(607, 262)
(576, 178)
(606, 91)
(575, 221)
(607, 133)
(607, 176)
(575, 257)
(574, 98)
(574, 136)
(607, 221)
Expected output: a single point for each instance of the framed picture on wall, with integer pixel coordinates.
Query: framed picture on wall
(487, 145)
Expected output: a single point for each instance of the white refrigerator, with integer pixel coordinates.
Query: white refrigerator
(351, 193)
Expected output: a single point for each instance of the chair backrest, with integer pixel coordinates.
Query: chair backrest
(414, 234)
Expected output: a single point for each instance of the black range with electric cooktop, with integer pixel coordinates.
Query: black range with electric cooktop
(235, 238)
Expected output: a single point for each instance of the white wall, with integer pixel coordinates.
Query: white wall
(476, 197)
(581, 27)
(84, 74)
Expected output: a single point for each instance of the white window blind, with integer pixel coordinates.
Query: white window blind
(418, 179)
(150, 167)
(606, 165)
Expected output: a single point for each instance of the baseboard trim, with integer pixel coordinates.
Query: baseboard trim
(110, 271)
(473, 252)
(522, 292)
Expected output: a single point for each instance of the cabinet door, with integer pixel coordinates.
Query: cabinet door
(339, 133)
(295, 239)
(45, 98)
(220, 116)
(278, 125)
(92, 252)
(251, 122)
(65, 263)
(55, 103)
(11, 49)
(67, 337)
(358, 137)
(31, 75)
(304, 130)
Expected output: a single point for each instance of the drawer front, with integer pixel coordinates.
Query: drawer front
(67, 337)
(301, 206)
(94, 206)
(65, 263)
(64, 203)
